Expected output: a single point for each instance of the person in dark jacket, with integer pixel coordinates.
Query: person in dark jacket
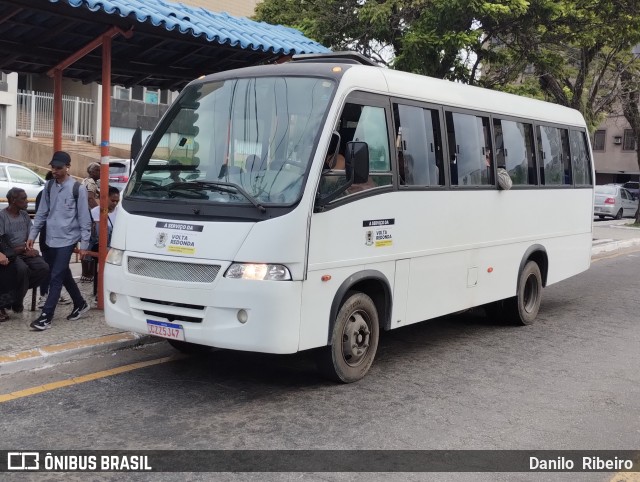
(68, 222)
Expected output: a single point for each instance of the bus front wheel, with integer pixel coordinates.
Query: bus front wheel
(354, 340)
(523, 308)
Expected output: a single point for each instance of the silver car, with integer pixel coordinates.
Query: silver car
(614, 201)
(119, 170)
(14, 175)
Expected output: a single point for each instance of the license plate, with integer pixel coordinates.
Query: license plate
(165, 329)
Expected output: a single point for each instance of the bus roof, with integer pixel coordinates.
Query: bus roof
(416, 87)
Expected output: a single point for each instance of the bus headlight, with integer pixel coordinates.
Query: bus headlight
(270, 272)
(114, 256)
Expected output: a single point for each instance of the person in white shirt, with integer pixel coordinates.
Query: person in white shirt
(114, 199)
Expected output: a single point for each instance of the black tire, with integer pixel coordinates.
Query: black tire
(354, 340)
(523, 308)
(618, 214)
(189, 348)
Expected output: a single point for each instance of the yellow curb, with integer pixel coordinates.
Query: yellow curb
(23, 355)
(85, 378)
(53, 349)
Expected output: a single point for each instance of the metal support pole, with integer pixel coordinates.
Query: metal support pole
(57, 110)
(104, 164)
(32, 110)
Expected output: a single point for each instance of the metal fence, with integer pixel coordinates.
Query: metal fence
(35, 116)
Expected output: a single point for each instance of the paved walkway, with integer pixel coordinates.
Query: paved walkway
(23, 349)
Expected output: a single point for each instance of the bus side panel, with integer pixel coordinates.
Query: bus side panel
(318, 296)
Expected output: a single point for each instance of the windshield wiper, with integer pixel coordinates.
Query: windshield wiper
(220, 187)
(199, 185)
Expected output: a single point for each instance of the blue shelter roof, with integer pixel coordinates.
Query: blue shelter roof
(216, 27)
(172, 43)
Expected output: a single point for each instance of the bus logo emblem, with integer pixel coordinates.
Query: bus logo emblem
(369, 238)
(161, 240)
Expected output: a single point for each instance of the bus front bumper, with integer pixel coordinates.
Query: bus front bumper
(212, 315)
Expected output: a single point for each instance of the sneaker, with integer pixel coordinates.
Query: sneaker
(41, 301)
(78, 311)
(41, 323)
(64, 301)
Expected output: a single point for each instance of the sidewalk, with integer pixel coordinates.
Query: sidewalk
(23, 349)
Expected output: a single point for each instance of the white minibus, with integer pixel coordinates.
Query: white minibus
(316, 203)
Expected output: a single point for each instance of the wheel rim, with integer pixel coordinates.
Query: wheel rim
(355, 338)
(531, 293)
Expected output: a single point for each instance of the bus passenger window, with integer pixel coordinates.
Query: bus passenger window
(419, 146)
(514, 150)
(553, 144)
(580, 158)
(470, 149)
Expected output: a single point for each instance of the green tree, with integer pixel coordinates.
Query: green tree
(440, 38)
(574, 49)
(630, 102)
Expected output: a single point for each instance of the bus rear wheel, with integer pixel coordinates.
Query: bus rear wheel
(523, 308)
(189, 348)
(354, 340)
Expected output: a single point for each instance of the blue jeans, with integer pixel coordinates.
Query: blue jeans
(59, 259)
(44, 286)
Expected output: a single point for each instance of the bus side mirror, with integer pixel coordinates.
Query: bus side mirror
(357, 162)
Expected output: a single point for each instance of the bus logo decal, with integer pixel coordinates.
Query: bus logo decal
(161, 240)
(369, 238)
(180, 226)
(372, 223)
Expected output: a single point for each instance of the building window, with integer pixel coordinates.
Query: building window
(151, 96)
(137, 93)
(598, 140)
(122, 93)
(629, 141)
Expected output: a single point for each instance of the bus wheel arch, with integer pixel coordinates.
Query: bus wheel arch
(359, 312)
(538, 254)
(522, 309)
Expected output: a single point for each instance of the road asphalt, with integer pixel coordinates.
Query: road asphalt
(23, 349)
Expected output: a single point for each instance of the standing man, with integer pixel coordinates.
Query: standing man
(31, 269)
(91, 184)
(68, 221)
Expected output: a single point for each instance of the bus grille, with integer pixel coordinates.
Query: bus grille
(170, 270)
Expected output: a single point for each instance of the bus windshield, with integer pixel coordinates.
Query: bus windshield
(241, 141)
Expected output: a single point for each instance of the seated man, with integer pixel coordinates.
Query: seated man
(334, 162)
(15, 223)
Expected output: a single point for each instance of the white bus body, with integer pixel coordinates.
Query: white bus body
(418, 243)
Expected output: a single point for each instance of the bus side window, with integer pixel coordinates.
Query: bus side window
(470, 149)
(368, 124)
(514, 150)
(555, 166)
(580, 158)
(419, 146)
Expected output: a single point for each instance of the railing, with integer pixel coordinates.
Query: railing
(35, 116)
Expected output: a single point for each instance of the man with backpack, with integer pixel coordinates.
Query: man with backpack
(64, 209)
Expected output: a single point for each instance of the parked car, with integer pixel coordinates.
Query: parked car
(614, 201)
(119, 170)
(14, 175)
(633, 187)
